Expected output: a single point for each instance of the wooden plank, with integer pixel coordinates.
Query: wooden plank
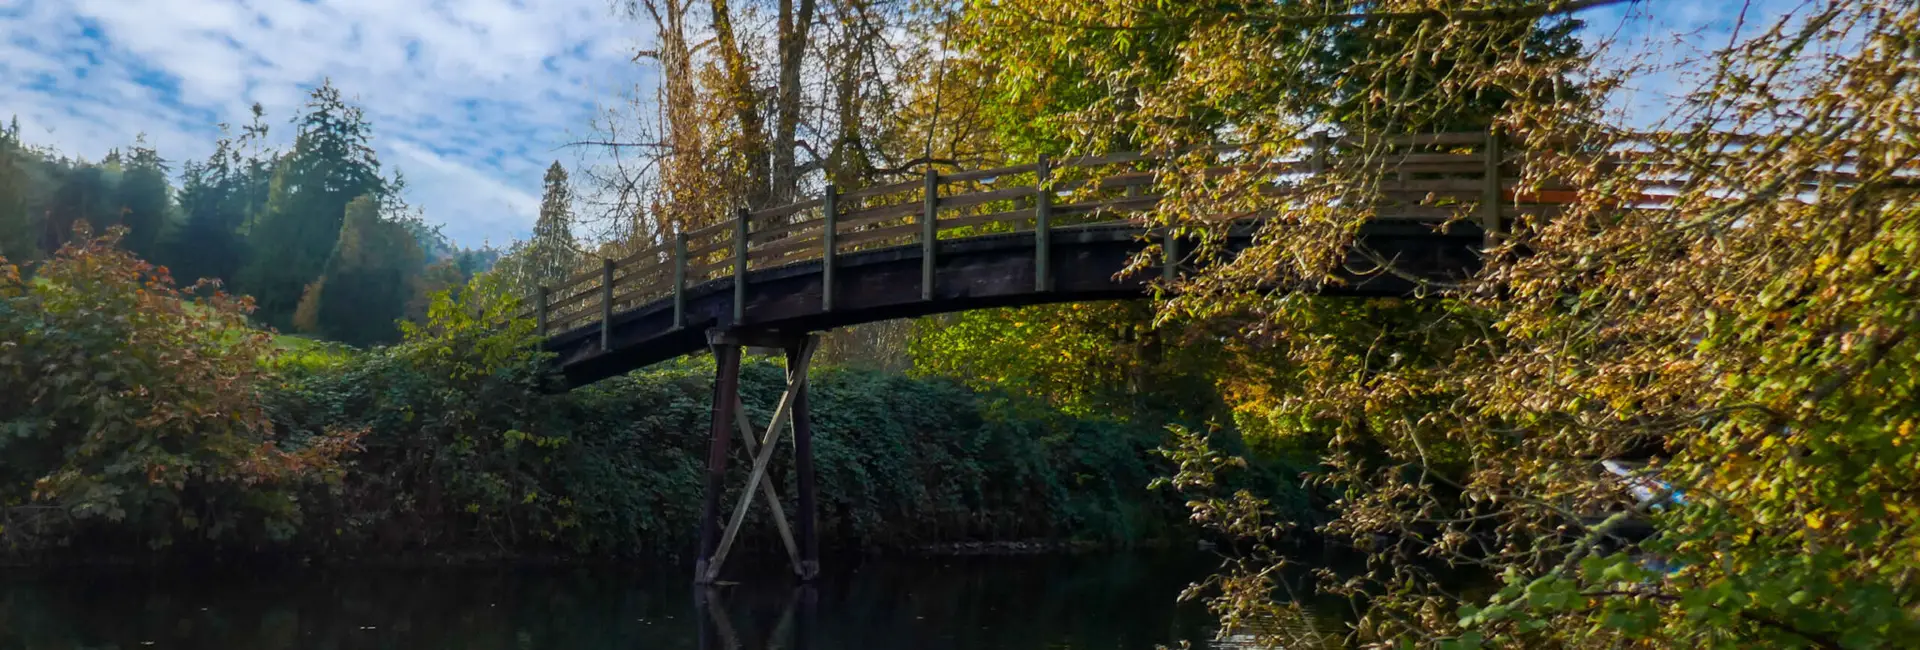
(904, 231)
(1106, 159)
(1016, 217)
(778, 232)
(894, 188)
(710, 249)
(881, 213)
(704, 272)
(784, 210)
(1415, 140)
(1434, 185)
(579, 296)
(976, 198)
(641, 295)
(713, 229)
(1142, 202)
(781, 248)
(982, 174)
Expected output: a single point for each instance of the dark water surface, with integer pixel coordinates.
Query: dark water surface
(1057, 603)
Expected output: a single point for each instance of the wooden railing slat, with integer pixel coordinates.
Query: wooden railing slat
(893, 188)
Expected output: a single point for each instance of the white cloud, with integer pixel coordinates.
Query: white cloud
(469, 99)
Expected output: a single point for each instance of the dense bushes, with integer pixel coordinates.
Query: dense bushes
(130, 413)
(490, 465)
(138, 416)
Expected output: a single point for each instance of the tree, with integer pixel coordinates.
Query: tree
(142, 197)
(368, 280)
(18, 236)
(213, 199)
(330, 165)
(553, 253)
(1750, 332)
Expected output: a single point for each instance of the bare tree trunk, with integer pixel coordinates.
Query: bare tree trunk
(751, 143)
(846, 162)
(794, 30)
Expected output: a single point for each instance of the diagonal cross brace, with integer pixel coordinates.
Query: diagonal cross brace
(796, 382)
(772, 496)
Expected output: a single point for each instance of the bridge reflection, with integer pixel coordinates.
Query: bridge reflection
(794, 629)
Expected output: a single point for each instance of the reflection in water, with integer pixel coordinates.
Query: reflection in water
(1118, 602)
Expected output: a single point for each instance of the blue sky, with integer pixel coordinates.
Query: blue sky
(471, 99)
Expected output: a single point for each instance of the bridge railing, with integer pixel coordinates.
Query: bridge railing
(1425, 177)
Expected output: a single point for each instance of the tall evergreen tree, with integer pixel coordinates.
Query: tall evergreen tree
(369, 279)
(17, 234)
(552, 252)
(213, 199)
(330, 165)
(142, 198)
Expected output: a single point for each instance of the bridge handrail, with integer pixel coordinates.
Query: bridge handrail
(1003, 199)
(1464, 169)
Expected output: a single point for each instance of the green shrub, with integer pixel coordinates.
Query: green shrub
(130, 411)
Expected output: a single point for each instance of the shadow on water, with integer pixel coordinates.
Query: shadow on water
(1065, 603)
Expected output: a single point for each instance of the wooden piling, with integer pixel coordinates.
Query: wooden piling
(726, 391)
(797, 358)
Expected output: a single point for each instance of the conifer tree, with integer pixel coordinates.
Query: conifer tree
(331, 164)
(213, 202)
(368, 280)
(142, 199)
(553, 252)
(16, 221)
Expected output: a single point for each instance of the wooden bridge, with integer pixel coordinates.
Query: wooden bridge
(975, 239)
(1045, 232)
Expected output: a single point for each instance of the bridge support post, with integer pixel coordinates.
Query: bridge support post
(729, 413)
(726, 394)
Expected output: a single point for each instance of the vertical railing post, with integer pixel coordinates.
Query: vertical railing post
(606, 305)
(540, 309)
(740, 233)
(829, 209)
(1042, 229)
(1319, 159)
(1491, 194)
(1170, 244)
(929, 232)
(679, 280)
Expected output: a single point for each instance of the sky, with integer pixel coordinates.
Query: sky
(470, 99)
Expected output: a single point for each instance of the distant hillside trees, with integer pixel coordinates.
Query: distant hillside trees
(318, 234)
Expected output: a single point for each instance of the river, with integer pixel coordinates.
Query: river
(1117, 601)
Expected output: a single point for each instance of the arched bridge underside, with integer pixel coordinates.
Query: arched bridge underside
(995, 270)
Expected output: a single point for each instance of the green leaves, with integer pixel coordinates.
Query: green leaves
(133, 407)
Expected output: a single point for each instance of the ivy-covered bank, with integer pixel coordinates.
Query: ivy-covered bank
(142, 420)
